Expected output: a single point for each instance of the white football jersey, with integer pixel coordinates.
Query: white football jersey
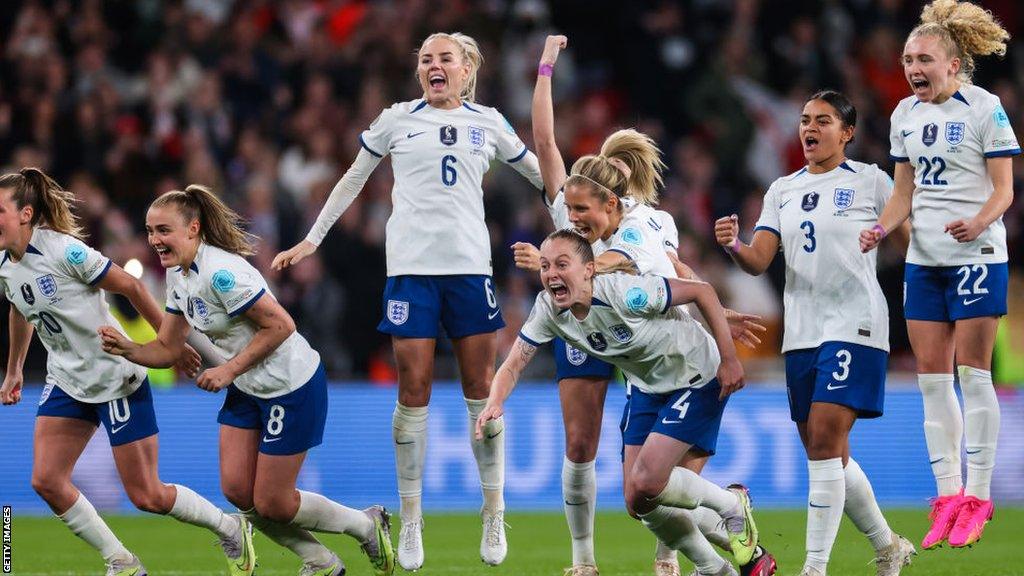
(439, 158)
(54, 287)
(947, 145)
(832, 292)
(643, 235)
(660, 348)
(213, 295)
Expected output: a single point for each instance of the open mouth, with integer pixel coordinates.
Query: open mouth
(558, 289)
(162, 250)
(810, 143)
(919, 84)
(437, 81)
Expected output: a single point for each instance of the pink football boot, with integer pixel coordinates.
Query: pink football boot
(943, 516)
(971, 517)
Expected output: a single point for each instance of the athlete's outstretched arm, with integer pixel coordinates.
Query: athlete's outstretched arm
(896, 210)
(344, 192)
(21, 337)
(552, 168)
(274, 326)
(753, 259)
(160, 353)
(1000, 170)
(504, 381)
(730, 372)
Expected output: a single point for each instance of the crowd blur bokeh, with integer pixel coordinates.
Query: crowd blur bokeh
(263, 101)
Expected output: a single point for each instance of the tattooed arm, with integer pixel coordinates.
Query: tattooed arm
(504, 381)
(274, 326)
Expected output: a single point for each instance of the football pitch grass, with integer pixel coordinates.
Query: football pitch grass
(538, 544)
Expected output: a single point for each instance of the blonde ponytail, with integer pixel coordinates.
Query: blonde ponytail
(643, 158)
(51, 204)
(966, 30)
(219, 225)
(469, 50)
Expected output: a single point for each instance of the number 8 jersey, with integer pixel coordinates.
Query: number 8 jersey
(439, 158)
(947, 145)
(54, 287)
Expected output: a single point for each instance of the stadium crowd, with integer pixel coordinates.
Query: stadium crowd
(263, 101)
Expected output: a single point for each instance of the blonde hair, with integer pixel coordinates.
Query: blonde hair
(965, 30)
(219, 225)
(469, 50)
(51, 204)
(628, 148)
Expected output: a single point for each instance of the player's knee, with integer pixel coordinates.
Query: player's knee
(580, 446)
(645, 485)
(274, 506)
(239, 495)
(48, 488)
(414, 394)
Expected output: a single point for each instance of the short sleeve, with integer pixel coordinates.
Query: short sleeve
(883, 189)
(82, 263)
(645, 296)
(538, 329)
(897, 148)
(237, 288)
(377, 138)
(559, 211)
(669, 232)
(510, 149)
(173, 296)
(997, 134)
(633, 243)
(769, 219)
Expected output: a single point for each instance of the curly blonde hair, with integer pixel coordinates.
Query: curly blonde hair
(965, 30)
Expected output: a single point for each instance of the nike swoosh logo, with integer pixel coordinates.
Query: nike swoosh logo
(906, 133)
(974, 451)
(495, 435)
(667, 421)
(936, 461)
(265, 439)
(969, 302)
(813, 505)
(567, 503)
(115, 430)
(405, 443)
(831, 387)
(493, 314)
(414, 134)
(783, 205)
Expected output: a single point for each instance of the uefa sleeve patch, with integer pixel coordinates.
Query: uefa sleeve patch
(636, 299)
(632, 236)
(999, 117)
(75, 254)
(223, 281)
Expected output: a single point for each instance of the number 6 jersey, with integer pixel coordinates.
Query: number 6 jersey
(54, 287)
(947, 145)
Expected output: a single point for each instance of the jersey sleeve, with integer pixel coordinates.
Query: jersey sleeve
(559, 211)
(897, 148)
(82, 262)
(646, 296)
(769, 219)
(538, 329)
(509, 148)
(377, 138)
(669, 232)
(997, 134)
(883, 189)
(237, 288)
(635, 243)
(173, 297)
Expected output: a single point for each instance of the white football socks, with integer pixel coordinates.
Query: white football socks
(687, 489)
(489, 452)
(675, 527)
(981, 419)
(191, 508)
(300, 541)
(409, 431)
(712, 527)
(321, 514)
(824, 509)
(862, 508)
(943, 430)
(579, 490)
(85, 522)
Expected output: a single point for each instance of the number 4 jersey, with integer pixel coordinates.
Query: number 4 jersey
(831, 292)
(947, 145)
(54, 287)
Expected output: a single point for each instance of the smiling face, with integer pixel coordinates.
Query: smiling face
(174, 239)
(592, 217)
(15, 223)
(930, 68)
(823, 133)
(442, 72)
(564, 274)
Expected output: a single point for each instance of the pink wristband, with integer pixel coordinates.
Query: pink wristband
(880, 229)
(545, 70)
(735, 246)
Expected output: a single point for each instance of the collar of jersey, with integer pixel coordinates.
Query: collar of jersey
(194, 267)
(956, 96)
(30, 250)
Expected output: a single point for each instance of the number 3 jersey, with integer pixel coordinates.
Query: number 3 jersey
(439, 158)
(947, 145)
(832, 292)
(213, 296)
(659, 347)
(54, 287)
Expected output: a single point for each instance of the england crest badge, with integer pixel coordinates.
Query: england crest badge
(398, 312)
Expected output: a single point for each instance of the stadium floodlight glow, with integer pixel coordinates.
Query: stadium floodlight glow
(134, 267)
